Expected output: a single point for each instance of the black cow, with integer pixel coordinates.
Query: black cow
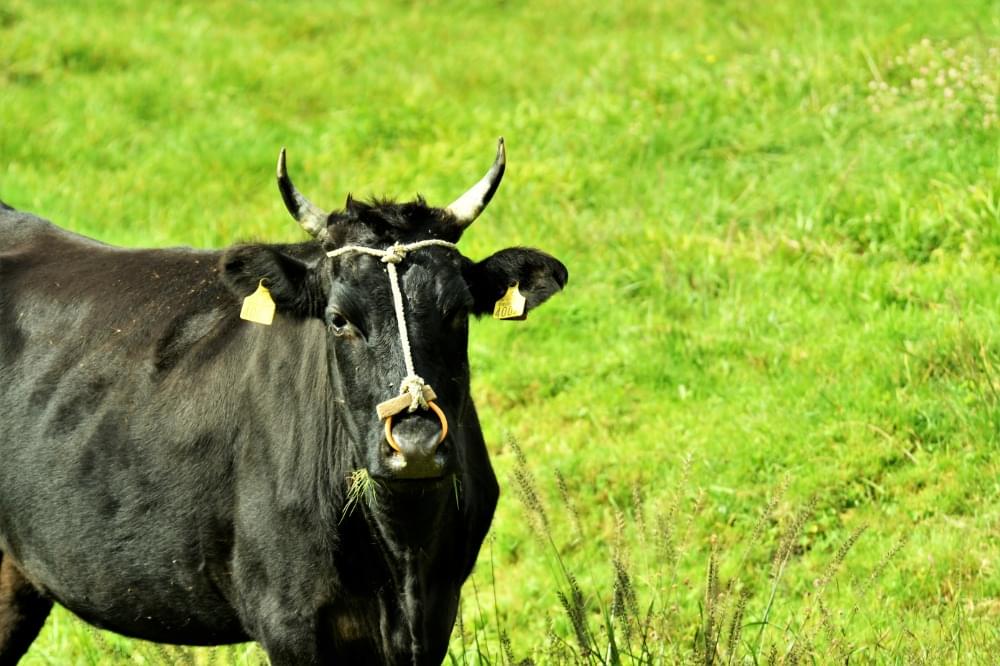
(171, 472)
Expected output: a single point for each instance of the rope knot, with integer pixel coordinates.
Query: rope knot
(413, 385)
(394, 254)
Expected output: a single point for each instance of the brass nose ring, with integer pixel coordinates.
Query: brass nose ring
(434, 408)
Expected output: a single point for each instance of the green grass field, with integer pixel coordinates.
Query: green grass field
(782, 224)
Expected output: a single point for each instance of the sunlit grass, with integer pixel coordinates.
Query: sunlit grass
(780, 268)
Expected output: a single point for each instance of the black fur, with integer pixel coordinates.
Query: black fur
(293, 287)
(386, 218)
(174, 473)
(538, 276)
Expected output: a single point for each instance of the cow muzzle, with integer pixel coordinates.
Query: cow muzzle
(416, 446)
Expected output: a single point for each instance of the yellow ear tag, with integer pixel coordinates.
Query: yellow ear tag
(258, 307)
(510, 305)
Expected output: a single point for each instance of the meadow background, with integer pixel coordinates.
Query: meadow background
(762, 422)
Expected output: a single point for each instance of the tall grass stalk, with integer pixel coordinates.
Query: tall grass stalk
(635, 621)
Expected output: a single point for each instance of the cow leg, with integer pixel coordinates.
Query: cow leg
(22, 612)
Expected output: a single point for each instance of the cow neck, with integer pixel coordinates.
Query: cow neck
(414, 393)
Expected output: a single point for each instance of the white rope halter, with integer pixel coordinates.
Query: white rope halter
(413, 392)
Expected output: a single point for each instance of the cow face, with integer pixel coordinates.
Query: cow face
(351, 292)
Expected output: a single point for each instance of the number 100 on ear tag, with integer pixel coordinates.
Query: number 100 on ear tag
(258, 307)
(510, 305)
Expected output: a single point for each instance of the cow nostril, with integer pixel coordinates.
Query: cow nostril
(388, 451)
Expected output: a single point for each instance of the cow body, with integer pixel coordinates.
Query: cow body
(115, 439)
(171, 472)
(152, 484)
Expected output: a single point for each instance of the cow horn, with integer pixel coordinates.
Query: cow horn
(467, 207)
(312, 218)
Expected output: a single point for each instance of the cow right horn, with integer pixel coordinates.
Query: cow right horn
(467, 207)
(312, 218)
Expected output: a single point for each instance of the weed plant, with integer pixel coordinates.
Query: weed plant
(644, 612)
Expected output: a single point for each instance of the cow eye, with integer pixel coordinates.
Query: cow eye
(338, 323)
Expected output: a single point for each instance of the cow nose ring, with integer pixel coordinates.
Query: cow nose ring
(434, 408)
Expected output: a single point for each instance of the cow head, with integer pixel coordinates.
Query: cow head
(352, 294)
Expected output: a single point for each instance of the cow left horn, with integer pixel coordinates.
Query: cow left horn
(467, 207)
(312, 218)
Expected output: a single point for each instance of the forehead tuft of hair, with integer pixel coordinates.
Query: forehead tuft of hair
(386, 215)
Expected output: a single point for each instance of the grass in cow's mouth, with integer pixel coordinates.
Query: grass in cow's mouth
(361, 487)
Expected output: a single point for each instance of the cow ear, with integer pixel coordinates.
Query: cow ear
(538, 276)
(292, 283)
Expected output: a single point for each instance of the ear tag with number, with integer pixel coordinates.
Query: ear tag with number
(258, 307)
(510, 305)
